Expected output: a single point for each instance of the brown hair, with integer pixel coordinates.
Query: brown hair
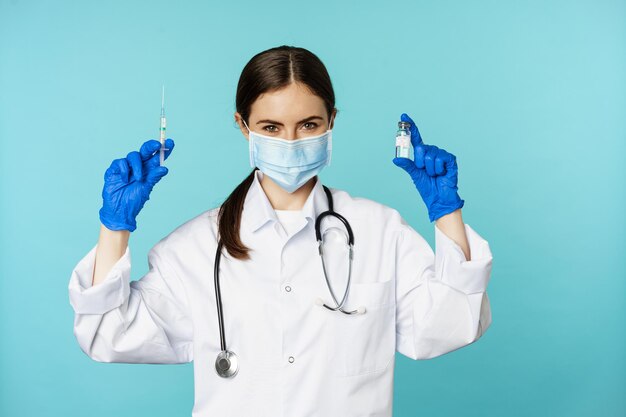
(269, 70)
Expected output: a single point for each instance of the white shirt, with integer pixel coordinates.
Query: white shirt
(296, 358)
(289, 219)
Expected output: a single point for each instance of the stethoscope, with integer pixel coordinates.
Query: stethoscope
(227, 363)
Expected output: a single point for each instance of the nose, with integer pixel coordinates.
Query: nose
(291, 134)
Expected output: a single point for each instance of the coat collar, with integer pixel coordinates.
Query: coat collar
(258, 210)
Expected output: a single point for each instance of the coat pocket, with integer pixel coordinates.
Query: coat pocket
(363, 343)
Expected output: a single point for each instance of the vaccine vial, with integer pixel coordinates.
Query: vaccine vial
(403, 140)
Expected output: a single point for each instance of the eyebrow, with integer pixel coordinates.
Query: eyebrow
(280, 124)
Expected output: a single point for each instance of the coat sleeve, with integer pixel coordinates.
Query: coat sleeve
(441, 298)
(144, 321)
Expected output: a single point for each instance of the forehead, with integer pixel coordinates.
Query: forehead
(289, 104)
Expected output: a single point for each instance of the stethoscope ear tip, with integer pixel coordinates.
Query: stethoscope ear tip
(360, 310)
(319, 301)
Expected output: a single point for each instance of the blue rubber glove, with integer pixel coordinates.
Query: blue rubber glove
(434, 173)
(128, 183)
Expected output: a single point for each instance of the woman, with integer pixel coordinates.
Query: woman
(282, 351)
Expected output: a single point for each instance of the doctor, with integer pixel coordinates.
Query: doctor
(267, 300)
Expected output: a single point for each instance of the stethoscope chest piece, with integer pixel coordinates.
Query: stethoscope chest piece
(226, 364)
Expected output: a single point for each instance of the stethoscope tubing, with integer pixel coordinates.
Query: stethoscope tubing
(224, 369)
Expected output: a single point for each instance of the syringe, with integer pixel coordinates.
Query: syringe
(163, 125)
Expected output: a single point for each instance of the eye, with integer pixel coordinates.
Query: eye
(313, 125)
(269, 126)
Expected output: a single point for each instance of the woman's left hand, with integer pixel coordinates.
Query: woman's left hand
(434, 173)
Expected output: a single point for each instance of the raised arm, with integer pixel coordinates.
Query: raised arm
(143, 321)
(441, 298)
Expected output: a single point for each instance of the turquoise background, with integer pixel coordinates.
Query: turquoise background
(530, 97)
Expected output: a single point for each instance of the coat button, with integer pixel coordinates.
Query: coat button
(291, 359)
(288, 288)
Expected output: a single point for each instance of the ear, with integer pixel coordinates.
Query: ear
(334, 117)
(242, 127)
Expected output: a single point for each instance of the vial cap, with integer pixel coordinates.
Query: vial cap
(404, 125)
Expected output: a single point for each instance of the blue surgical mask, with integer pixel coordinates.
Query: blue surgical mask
(290, 163)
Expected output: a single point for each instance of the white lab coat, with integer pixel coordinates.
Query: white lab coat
(296, 358)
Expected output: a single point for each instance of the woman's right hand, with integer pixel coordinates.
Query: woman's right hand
(128, 183)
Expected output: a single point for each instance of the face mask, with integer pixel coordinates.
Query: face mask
(290, 163)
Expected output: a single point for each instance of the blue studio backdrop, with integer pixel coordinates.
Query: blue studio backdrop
(530, 96)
